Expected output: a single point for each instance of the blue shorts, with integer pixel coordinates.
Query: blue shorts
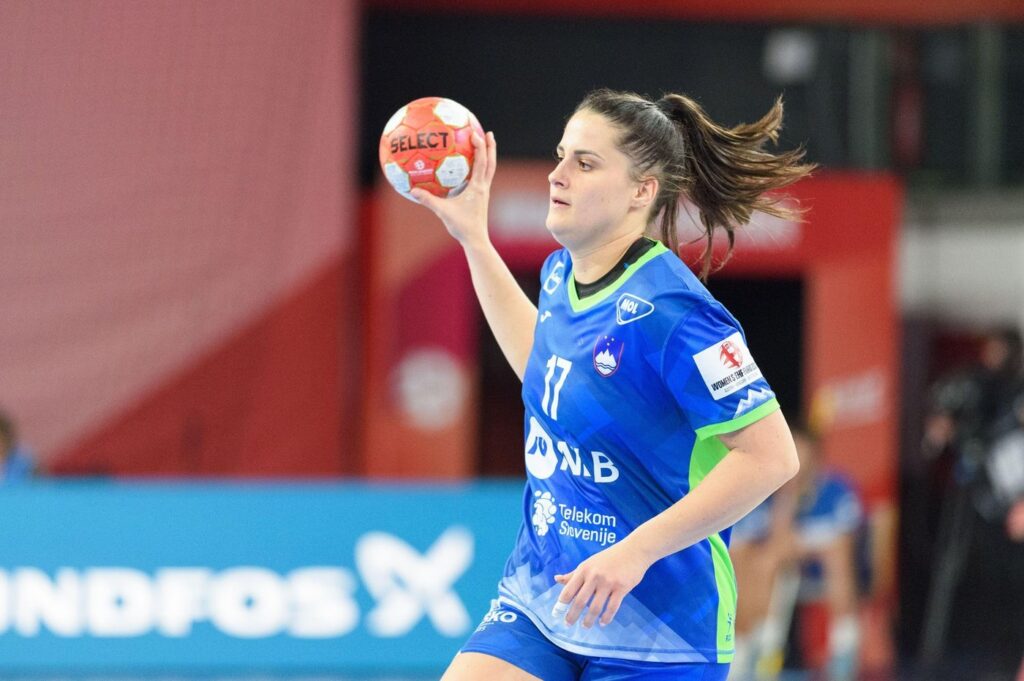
(509, 635)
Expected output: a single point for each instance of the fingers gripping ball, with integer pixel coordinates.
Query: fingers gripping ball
(428, 144)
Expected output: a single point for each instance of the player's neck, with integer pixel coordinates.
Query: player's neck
(590, 264)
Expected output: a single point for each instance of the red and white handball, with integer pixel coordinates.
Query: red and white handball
(428, 144)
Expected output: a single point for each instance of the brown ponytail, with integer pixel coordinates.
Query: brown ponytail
(723, 171)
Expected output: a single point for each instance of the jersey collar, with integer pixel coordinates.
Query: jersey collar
(578, 305)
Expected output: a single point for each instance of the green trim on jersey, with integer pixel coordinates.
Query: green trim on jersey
(707, 452)
(725, 580)
(591, 301)
(738, 422)
(705, 455)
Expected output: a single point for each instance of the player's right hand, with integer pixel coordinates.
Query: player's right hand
(465, 216)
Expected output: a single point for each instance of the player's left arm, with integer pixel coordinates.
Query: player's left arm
(761, 458)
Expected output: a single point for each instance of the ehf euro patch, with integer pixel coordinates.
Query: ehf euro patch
(727, 366)
(608, 355)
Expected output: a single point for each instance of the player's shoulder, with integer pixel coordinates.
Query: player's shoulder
(673, 308)
(558, 256)
(554, 269)
(668, 284)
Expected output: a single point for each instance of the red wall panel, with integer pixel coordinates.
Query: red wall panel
(177, 186)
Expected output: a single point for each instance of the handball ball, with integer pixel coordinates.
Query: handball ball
(428, 144)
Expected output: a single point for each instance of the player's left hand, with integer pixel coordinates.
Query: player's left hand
(601, 581)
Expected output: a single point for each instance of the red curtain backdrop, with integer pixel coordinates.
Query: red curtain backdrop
(177, 207)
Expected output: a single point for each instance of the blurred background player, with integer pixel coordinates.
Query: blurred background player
(16, 461)
(798, 548)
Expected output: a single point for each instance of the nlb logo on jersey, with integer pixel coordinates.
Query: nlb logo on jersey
(607, 355)
(630, 308)
(542, 459)
(727, 366)
(554, 279)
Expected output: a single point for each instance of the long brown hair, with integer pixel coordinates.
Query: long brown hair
(724, 172)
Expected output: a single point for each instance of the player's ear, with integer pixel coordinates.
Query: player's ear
(645, 193)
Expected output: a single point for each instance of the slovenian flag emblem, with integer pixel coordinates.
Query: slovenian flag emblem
(607, 355)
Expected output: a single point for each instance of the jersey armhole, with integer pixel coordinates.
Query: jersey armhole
(732, 425)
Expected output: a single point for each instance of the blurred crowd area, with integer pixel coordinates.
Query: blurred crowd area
(804, 559)
(192, 274)
(962, 500)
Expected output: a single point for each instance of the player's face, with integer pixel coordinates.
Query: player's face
(591, 190)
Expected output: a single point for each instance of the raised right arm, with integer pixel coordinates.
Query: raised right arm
(508, 311)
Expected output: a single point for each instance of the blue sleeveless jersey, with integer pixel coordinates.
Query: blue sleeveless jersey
(624, 392)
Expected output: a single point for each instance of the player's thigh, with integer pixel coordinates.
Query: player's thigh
(475, 666)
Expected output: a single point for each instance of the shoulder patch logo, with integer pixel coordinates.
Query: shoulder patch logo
(630, 308)
(555, 277)
(727, 366)
(731, 356)
(608, 355)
